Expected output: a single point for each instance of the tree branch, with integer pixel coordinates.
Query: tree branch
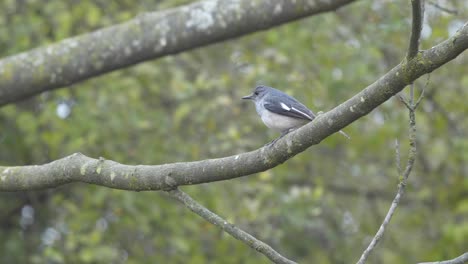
(148, 36)
(416, 28)
(398, 158)
(442, 8)
(411, 106)
(403, 179)
(79, 168)
(459, 260)
(231, 229)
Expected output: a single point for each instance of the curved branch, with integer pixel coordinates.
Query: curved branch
(229, 228)
(403, 178)
(148, 36)
(79, 168)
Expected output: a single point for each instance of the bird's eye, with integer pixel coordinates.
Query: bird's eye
(256, 93)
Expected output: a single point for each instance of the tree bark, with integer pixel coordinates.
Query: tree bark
(79, 168)
(148, 36)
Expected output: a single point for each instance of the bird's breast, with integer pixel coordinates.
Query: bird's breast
(281, 123)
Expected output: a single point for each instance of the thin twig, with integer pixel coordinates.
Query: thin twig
(419, 99)
(403, 178)
(228, 228)
(458, 260)
(412, 51)
(421, 96)
(416, 28)
(412, 138)
(381, 230)
(403, 100)
(397, 158)
(443, 8)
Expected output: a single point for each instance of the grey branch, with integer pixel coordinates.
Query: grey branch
(459, 260)
(231, 229)
(401, 186)
(412, 52)
(418, 14)
(398, 158)
(148, 36)
(79, 168)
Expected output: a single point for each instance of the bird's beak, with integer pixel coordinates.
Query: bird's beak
(250, 96)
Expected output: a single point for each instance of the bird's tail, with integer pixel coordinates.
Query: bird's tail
(344, 134)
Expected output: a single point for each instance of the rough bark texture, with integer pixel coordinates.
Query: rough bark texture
(148, 36)
(79, 168)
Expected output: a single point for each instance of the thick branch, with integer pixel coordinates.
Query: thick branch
(79, 168)
(459, 260)
(149, 36)
(229, 228)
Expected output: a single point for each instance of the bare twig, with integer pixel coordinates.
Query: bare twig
(412, 51)
(228, 228)
(397, 158)
(386, 221)
(403, 178)
(458, 260)
(421, 96)
(443, 8)
(403, 100)
(416, 28)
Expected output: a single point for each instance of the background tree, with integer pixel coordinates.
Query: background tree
(332, 196)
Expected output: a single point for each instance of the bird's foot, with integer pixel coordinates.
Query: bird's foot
(271, 143)
(284, 133)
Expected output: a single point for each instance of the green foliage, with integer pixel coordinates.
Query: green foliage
(313, 209)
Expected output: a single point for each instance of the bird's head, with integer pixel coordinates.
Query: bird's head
(259, 92)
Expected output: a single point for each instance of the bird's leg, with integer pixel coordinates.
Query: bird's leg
(284, 133)
(271, 142)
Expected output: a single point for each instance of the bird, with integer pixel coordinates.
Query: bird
(279, 111)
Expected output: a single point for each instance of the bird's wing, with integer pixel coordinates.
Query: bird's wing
(288, 107)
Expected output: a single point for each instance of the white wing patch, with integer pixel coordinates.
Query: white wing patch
(300, 112)
(285, 107)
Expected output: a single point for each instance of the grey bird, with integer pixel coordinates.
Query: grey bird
(279, 111)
